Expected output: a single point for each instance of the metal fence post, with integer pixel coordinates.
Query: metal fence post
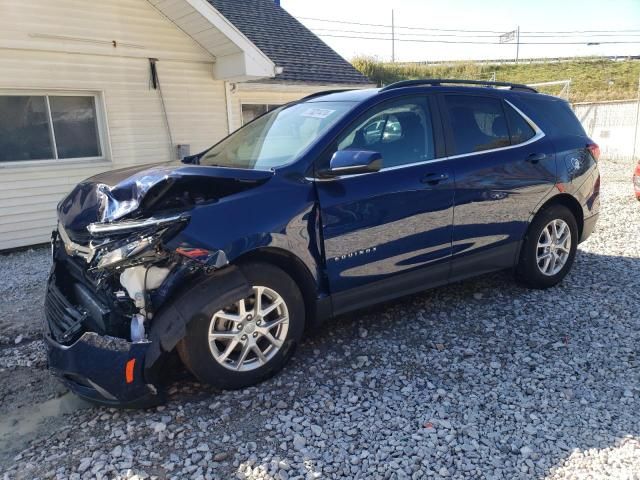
(635, 133)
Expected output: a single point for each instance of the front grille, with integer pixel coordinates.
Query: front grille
(65, 322)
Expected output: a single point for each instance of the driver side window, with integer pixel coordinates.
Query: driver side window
(401, 131)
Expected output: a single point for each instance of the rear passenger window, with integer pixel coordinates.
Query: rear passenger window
(520, 130)
(478, 123)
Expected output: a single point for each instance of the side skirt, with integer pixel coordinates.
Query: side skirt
(389, 289)
(500, 258)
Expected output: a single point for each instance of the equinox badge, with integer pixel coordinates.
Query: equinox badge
(357, 253)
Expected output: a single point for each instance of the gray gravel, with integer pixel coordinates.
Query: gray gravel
(482, 379)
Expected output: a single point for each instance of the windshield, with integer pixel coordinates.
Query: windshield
(276, 138)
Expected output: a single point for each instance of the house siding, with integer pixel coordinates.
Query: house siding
(135, 125)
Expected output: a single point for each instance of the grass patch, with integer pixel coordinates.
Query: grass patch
(592, 79)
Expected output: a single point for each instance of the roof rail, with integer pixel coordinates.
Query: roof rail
(325, 92)
(434, 82)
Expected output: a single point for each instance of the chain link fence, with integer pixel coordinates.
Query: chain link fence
(613, 126)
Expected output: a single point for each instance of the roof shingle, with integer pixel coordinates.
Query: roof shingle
(289, 44)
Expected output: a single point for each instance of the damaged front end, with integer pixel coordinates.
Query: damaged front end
(115, 301)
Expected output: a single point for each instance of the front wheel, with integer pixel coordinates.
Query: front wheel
(549, 248)
(250, 340)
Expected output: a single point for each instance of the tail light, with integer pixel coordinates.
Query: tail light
(595, 150)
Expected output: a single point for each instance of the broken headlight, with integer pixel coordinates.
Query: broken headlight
(141, 236)
(125, 252)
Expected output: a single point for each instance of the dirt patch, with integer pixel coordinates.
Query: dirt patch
(21, 426)
(24, 277)
(39, 383)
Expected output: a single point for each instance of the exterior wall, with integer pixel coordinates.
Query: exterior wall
(612, 125)
(135, 125)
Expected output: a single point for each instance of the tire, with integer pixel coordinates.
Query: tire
(531, 267)
(197, 353)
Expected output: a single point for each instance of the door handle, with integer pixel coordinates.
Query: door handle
(434, 178)
(536, 157)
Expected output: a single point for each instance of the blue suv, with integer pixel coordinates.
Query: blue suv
(338, 201)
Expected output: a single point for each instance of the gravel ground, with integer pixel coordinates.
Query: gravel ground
(482, 379)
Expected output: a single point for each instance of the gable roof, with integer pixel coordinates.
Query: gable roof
(289, 44)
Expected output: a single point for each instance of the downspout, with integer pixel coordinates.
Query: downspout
(155, 84)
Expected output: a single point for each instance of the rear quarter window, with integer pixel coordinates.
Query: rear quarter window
(554, 116)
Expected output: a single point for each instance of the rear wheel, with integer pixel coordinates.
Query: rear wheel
(250, 340)
(549, 248)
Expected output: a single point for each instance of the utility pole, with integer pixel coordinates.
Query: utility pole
(517, 43)
(393, 38)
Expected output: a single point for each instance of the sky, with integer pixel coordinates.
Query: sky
(483, 16)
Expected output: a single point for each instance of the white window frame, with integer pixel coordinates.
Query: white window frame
(101, 121)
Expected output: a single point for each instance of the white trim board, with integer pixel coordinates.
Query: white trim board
(236, 57)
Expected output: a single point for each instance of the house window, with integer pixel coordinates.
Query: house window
(251, 111)
(50, 127)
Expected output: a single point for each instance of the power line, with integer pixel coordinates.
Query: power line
(613, 31)
(585, 31)
(389, 26)
(333, 30)
(406, 40)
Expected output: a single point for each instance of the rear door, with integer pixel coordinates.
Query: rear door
(388, 233)
(503, 167)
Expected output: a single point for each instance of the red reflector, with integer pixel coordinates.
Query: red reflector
(128, 371)
(193, 253)
(594, 149)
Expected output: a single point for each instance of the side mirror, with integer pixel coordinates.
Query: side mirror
(353, 162)
(191, 159)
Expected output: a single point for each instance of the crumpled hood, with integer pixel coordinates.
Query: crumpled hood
(116, 194)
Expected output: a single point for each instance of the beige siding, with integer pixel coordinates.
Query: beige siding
(89, 26)
(137, 133)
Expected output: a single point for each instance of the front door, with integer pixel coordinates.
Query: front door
(503, 167)
(388, 233)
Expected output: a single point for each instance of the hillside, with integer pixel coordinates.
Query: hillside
(592, 79)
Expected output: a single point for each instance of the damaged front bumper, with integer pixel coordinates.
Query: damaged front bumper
(102, 369)
(105, 370)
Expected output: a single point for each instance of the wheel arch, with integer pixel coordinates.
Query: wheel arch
(562, 199)
(295, 267)
(568, 201)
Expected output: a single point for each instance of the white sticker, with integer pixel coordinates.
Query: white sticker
(317, 112)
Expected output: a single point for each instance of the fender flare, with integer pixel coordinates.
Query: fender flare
(207, 296)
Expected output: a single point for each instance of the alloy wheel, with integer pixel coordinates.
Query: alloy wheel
(554, 247)
(246, 335)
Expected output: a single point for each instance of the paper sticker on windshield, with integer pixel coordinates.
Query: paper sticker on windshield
(317, 112)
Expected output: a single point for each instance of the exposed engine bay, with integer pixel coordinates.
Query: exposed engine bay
(122, 278)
